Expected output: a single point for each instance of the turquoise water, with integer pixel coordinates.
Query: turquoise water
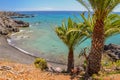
(41, 40)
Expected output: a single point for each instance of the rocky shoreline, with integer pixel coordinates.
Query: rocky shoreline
(113, 51)
(15, 14)
(9, 25)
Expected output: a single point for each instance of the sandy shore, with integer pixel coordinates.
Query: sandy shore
(10, 53)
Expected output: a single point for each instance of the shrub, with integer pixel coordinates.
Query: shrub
(40, 63)
(118, 63)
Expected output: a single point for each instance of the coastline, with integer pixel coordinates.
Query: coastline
(13, 53)
(8, 52)
(25, 52)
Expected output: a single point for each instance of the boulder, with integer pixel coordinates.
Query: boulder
(58, 69)
(113, 51)
(21, 23)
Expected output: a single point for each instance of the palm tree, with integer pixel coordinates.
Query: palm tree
(102, 9)
(111, 25)
(71, 39)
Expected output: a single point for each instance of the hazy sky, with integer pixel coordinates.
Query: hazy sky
(43, 5)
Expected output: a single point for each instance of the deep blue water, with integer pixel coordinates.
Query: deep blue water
(40, 37)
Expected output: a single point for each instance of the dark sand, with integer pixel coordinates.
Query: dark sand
(10, 53)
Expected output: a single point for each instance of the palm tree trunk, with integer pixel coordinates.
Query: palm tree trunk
(94, 58)
(70, 64)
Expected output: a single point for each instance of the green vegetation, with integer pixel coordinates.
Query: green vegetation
(99, 26)
(117, 63)
(40, 63)
(111, 25)
(107, 63)
(108, 68)
(101, 8)
(67, 33)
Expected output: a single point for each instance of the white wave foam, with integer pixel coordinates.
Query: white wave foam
(10, 43)
(34, 55)
(17, 32)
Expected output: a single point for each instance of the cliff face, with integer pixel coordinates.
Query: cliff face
(8, 25)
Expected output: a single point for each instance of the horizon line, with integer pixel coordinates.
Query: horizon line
(47, 10)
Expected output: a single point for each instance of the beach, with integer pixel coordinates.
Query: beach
(10, 53)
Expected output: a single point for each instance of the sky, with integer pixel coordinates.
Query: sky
(43, 5)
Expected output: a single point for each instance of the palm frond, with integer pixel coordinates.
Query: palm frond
(112, 25)
(85, 4)
(101, 8)
(72, 33)
(111, 32)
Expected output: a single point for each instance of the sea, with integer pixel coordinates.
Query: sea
(40, 39)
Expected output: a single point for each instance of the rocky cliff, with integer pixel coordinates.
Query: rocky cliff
(8, 25)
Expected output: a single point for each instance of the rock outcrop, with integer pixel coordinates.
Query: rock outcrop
(21, 23)
(8, 25)
(15, 15)
(113, 51)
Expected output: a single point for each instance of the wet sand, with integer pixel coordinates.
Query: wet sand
(10, 53)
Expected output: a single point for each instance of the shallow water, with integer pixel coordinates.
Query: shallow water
(41, 40)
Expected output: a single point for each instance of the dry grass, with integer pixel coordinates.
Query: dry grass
(112, 77)
(16, 71)
(27, 72)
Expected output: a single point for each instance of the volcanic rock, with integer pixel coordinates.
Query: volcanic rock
(113, 51)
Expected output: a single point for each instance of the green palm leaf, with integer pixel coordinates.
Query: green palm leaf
(71, 34)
